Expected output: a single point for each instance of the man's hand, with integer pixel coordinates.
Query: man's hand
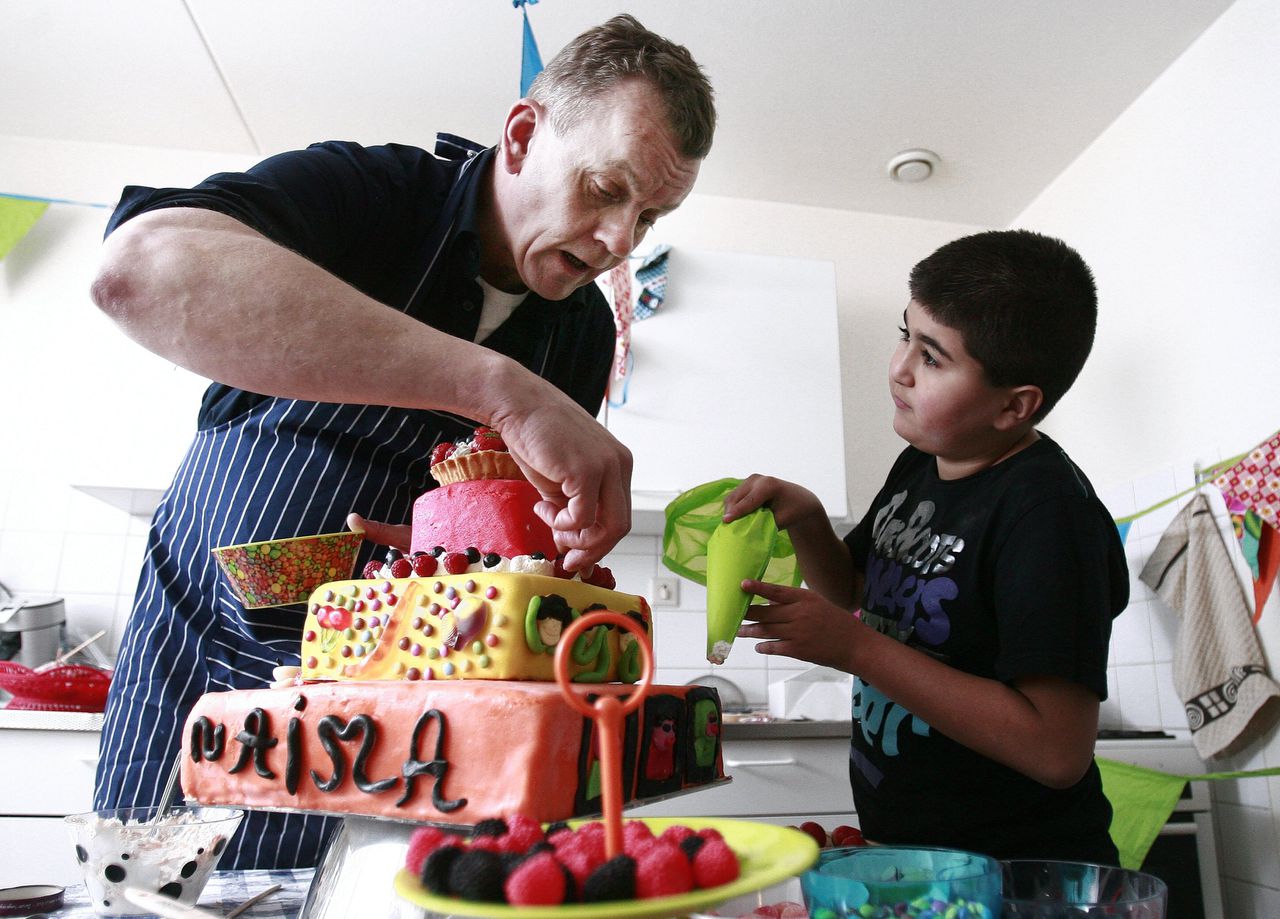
(582, 472)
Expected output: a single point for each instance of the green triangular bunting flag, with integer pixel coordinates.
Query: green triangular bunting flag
(17, 216)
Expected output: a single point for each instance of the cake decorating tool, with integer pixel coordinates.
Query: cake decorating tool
(608, 713)
(737, 550)
(699, 545)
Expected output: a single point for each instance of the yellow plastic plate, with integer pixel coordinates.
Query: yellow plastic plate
(766, 853)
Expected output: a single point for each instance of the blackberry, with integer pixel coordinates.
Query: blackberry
(478, 875)
(614, 880)
(435, 869)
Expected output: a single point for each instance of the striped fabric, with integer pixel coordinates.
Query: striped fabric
(283, 467)
(288, 468)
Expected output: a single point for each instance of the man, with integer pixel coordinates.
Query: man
(356, 306)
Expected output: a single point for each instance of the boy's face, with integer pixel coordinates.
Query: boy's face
(942, 401)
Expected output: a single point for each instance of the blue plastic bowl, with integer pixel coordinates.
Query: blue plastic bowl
(871, 882)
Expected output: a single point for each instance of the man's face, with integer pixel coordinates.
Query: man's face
(584, 200)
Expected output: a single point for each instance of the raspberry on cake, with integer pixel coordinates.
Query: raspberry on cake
(483, 455)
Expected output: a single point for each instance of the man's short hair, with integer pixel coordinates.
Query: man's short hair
(622, 49)
(1025, 304)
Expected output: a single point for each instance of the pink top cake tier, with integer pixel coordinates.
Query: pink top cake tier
(490, 515)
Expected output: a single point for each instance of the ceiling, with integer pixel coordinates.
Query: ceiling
(814, 96)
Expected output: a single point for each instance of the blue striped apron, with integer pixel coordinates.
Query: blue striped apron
(284, 468)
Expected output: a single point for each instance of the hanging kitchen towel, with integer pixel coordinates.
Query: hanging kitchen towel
(1218, 668)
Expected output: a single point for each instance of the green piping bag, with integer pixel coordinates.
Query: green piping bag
(699, 545)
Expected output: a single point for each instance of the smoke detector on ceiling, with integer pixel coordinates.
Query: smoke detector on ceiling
(913, 165)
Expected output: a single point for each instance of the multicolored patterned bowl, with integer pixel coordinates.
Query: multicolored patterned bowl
(279, 572)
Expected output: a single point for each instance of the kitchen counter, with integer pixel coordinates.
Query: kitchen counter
(50, 721)
(782, 729)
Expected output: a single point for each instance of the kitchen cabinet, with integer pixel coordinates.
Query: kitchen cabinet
(788, 778)
(46, 772)
(737, 372)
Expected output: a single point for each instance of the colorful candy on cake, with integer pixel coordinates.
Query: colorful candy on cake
(426, 689)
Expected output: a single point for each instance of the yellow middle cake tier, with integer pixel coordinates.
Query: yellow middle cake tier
(473, 626)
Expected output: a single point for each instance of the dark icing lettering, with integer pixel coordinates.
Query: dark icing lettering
(329, 726)
(435, 767)
(207, 741)
(255, 740)
(292, 759)
(293, 747)
(331, 731)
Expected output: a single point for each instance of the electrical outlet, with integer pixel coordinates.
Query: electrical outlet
(664, 592)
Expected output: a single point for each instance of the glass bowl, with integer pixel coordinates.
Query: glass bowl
(279, 572)
(870, 882)
(134, 847)
(1058, 890)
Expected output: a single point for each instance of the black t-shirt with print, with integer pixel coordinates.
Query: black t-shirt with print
(1015, 571)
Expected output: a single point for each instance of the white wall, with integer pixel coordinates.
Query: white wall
(1175, 207)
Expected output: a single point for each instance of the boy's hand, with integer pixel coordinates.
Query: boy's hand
(790, 503)
(800, 623)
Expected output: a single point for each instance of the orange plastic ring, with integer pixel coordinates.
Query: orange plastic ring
(578, 700)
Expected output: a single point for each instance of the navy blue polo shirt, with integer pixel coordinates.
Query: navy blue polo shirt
(372, 216)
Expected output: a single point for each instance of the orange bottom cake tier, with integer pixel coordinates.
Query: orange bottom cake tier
(440, 752)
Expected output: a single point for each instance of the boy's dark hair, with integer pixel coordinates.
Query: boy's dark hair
(1025, 304)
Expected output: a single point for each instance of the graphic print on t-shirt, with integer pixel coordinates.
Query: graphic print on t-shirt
(907, 589)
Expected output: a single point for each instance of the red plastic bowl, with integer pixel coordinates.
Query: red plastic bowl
(66, 688)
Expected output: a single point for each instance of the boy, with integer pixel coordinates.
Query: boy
(986, 573)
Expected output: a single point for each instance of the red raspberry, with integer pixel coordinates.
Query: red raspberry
(816, 830)
(372, 568)
(676, 834)
(582, 854)
(456, 562)
(442, 452)
(539, 881)
(488, 843)
(635, 835)
(715, 864)
(522, 833)
(424, 841)
(845, 835)
(401, 568)
(662, 871)
(709, 833)
(424, 565)
(487, 439)
(602, 577)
